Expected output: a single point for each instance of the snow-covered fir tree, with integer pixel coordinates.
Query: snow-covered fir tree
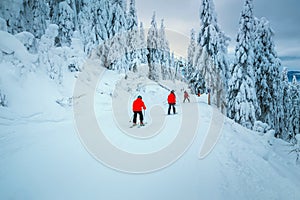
(87, 28)
(197, 83)
(94, 25)
(242, 100)
(294, 112)
(283, 107)
(179, 66)
(65, 22)
(133, 50)
(34, 15)
(171, 69)
(213, 61)
(143, 45)
(117, 34)
(117, 22)
(266, 66)
(132, 20)
(190, 56)
(153, 45)
(164, 52)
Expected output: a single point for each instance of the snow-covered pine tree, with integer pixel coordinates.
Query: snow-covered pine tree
(266, 67)
(179, 66)
(294, 113)
(133, 50)
(190, 56)
(195, 69)
(34, 15)
(153, 44)
(197, 83)
(242, 100)
(117, 22)
(117, 35)
(101, 19)
(283, 107)
(65, 22)
(164, 52)
(143, 45)
(95, 26)
(132, 19)
(213, 61)
(10, 12)
(171, 69)
(87, 21)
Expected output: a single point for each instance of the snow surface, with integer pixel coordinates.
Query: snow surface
(43, 157)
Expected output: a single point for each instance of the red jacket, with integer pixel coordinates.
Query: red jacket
(171, 98)
(138, 105)
(186, 95)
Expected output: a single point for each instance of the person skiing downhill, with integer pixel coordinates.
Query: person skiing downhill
(171, 102)
(137, 107)
(186, 96)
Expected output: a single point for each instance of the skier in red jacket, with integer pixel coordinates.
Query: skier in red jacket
(137, 107)
(171, 102)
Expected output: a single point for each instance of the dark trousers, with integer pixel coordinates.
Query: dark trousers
(186, 98)
(171, 105)
(140, 115)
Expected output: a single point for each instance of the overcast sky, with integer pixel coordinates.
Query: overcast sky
(181, 16)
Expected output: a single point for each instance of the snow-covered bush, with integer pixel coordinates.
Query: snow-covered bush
(47, 52)
(261, 127)
(28, 40)
(59, 60)
(66, 23)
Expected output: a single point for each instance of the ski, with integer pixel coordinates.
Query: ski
(138, 125)
(134, 125)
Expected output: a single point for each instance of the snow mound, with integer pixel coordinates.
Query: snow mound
(9, 44)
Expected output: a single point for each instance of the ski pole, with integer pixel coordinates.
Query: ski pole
(131, 118)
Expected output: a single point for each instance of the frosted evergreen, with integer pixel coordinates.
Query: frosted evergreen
(153, 45)
(132, 19)
(294, 113)
(283, 108)
(164, 51)
(190, 54)
(143, 45)
(242, 100)
(266, 66)
(211, 58)
(65, 22)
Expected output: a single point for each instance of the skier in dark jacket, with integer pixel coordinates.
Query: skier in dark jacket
(137, 107)
(171, 102)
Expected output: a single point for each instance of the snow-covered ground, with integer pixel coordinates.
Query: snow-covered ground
(43, 156)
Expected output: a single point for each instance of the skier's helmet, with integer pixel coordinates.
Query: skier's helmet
(140, 97)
